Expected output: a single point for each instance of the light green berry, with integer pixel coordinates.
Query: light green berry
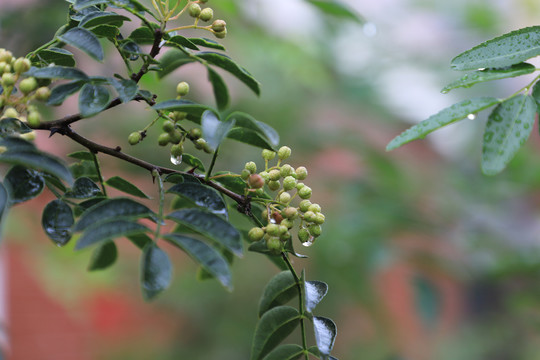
(265, 175)
(28, 85)
(43, 93)
(168, 126)
(268, 154)
(288, 223)
(305, 192)
(316, 208)
(221, 34)
(319, 218)
(8, 79)
(274, 175)
(219, 25)
(195, 133)
(315, 230)
(274, 245)
(303, 235)
(289, 183)
(33, 118)
(177, 150)
(287, 170)
(289, 213)
(272, 229)
(284, 198)
(301, 173)
(134, 138)
(255, 234)
(206, 14)
(21, 65)
(309, 216)
(245, 174)
(194, 10)
(251, 167)
(304, 205)
(182, 89)
(164, 139)
(274, 185)
(284, 152)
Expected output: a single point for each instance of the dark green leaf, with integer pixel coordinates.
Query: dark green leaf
(183, 105)
(172, 60)
(233, 182)
(84, 168)
(103, 257)
(53, 181)
(193, 162)
(142, 36)
(62, 92)
(108, 230)
(93, 99)
(37, 160)
(83, 4)
(221, 93)
(285, 352)
(247, 121)
(83, 188)
(201, 195)
(56, 56)
(210, 259)
(289, 247)
(126, 89)
(78, 16)
(87, 204)
(315, 291)
(182, 42)
(536, 93)
(507, 129)
(57, 220)
(210, 225)
(249, 137)
(445, 117)
(156, 271)
(83, 40)
(274, 326)
(4, 201)
(336, 9)
(113, 208)
(12, 126)
(125, 186)
(57, 72)
(480, 76)
(14, 143)
(229, 65)
(214, 130)
(140, 240)
(508, 49)
(82, 155)
(102, 18)
(106, 31)
(279, 291)
(209, 43)
(325, 334)
(23, 184)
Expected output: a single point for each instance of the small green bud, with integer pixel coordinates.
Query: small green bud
(182, 89)
(207, 149)
(206, 14)
(176, 136)
(309, 216)
(303, 235)
(2, 67)
(163, 139)
(288, 223)
(319, 218)
(7, 68)
(11, 113)
(315, 230)
(251, 167)
(221, 34)
(28, 85)
(274, 175)
(178, 115)
(301, 173)
(194, 10)
(43, 93)
(21, 65)
(268, 154)
(284, 152)
(134, 138)
(8, 79)
(300, 185)
(265, 175)
(219, 25)
(285, 236)
(195, 133)
(289, 213)
(274, 245)
(305, 192)
(245, 174)
(33, 119)
(255, 181)
(168, 126)
(289, 183)
(6, 56)
(255, 234)
(284, 198)
(274, 185)
(272, 229)
(200, 143)
(259, 192)
(287, 170)
(177, 150)
(316, 208)
(304, 205)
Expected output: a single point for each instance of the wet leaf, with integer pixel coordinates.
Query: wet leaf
(207, 43)
(93, 99)
(221, 93)
(249, 137)
(314, 293)
(55, 56)
(57, 220)
(126, 89)
(23, 184)
(285, 352)
(249, 122)
(61, 92)
(193, 162)
(182, 42)
(325, 335)
(37, 160)
(103, 257)
(172, 60)
(279, 291)
(214, 130)
(125, 186)
(156, 271)
(83, 40)
(57, 72)
(83, 188)
(102, 18)
(203, 196)
(108, 230)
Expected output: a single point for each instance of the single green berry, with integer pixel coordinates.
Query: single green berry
(164, 139)
(284, 198)
(285, 236)
(264, 214)
(2, 67)
(177, 150)
(6, 56)
(268, 154)
(274, 245)
(194, 10)
(289, 213)
(304, 205)
(284, 152)
(206, 14)
(300, 185)
(200, 143)
(265, 175)
(219, 25)
(168, 126)
(289, 183)
(221, 34)
(287, 170)
(28, 85)
(274, 185)
(305, 192)
(182, 89)
(255, 234)
(245, 174)
(319, 218)
(251, 167)
(7, 68)
(316, 208)
(21, 65)
(259, 192)
(195, 133)
(309, 216)
(8, 79)
(178, 115)
(43, 93)
(134, 138)
(272, 229)
(315, 230)
(176, 137)
(288, 223)
(33, 119)
(274, 175)
(303, 235)
(11, 113)
(255, 181)
(207, 149)
(301, 173)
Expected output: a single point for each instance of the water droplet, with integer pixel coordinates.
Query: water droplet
(369, 29)
(176, 160)
(445, 91)
(481, 69)
(309, 241)
(272, 220)
(471, 116)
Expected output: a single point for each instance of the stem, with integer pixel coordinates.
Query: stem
(98, 170)
(300, 302)
(161, 205)
(212, 163)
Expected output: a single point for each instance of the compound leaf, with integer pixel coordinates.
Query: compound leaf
(125, 186)
(279, 290)
(201, 195)
(214, 130)
(83, 188)
(249, 122)
(32, 158)
(221, 93)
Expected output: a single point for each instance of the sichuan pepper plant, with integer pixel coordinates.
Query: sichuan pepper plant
(268, 192)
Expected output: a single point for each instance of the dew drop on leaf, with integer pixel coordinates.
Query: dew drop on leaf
(471, 116)
(176, 160)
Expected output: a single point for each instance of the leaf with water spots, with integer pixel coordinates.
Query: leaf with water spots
(444, 117)
(508, 49)
(507, 129)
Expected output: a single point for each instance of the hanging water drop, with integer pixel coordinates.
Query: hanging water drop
(471, 116)
(309, 241)
(176, 160)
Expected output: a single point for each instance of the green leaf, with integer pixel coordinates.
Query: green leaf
(233, 182)
(126, 89)
(209, 43)
(203, 196)
(285, 352)
(212, 226)
(106, 31)
(508, 49)
(247, 121)
(113, 209)
(480, 76)
(214, 130)
(55, 56)
(229, 65)
(536, 93)
(337, 9)
(142, 36)
(4, 201)
(193, 162)
(37, 160)
(210, 259)
(183, 105)
(57, 220)
(274, 326)
(507, 129)
(12, 142)
(84, 168)
(172, 60)
(445, 117)
(83, 188)
(83, 4)
(83, 40)
(156, 271)
(182, 42)
(125, 186)
(51, 181)
(12, 126)
(23, 184)
(249, 137)
(103, 257)
(93, 99)
(325, 335)
(140, 240)
(81, 155)
(61, 92)
(102, 18)
(56, 72)
(108, 230)
(314, 292)
(279, 291)
(221, 93)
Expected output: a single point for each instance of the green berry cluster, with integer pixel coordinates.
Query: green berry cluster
(218, 27)
(281, 216)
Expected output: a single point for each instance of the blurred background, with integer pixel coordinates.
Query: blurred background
(425, 257)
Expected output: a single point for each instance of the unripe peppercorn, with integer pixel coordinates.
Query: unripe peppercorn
(255, 181)
(315, 230)
(206, 14)
(288, 223)
(21, 65)
(287, 170)
(301, 173)
(200, 143)
(305, 192)
(285, 198)
(6, 56)
(168, 126)
(163, 139)
(176, 137)
(304, 205)
(11, 113)
(274, 175)
(195, 133)
(319, 218)
(221, 34)
(265, 175)
(177, 150)
(289, 213)
(28, 85)
(303, 235)
(268, 154)
(259, 192)
(2, 67)
(300, 185)
(274, 185)
(33, 119)
(289, 183)
(255, 234)
(194, 10)
(8, 79)
(219, 25)
(43, 93)
(178, 115)
(284, 152)
(285, 236)
(309, 216)
(182, 88)
(134, 138)
(274, 245)
(251, 167)
(316, 208)
(245, 174)
(272, 229)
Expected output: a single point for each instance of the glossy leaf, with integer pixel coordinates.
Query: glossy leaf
(445, 117)
(210, 225)
(210, 259)
(93, 99)
(285, 352)
(229, 65)
(103, 257)
(12, 126)
(249, 137)
(314, 293)
(181, 41)
(56, 56)
(233, 182)
(81, 155)
(142, 36)
(61, 92)
(249, 122)
(203, 196)
(221, 93)
(507, 129)
(56, 72)
(337, 9)
(273, 327)
(182, 105)
(83, 4)
(113, 208)
(102, 18)
(508, 49)
(83, 40)
(83, 188)
(57, 220)
(126, 89)
(156, 271)
(37, 160)
(125, 186)
(214, 130)
(172, 60)
(84, 168)
(325, 335)
(192, 161)
(106, 31)
(209, 43)
(108, 230)
(480, 76)
(279, 291)
(23, 184)
(536, 93)
(140, 240)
